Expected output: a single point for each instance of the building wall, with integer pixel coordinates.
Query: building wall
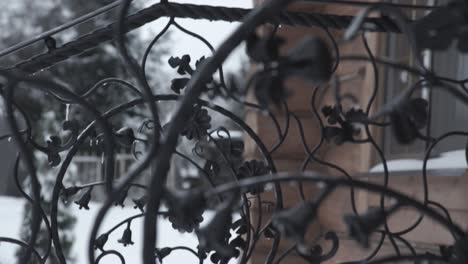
(353, 158)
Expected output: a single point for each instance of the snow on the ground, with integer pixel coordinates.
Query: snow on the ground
(11, 215)
(448, 160)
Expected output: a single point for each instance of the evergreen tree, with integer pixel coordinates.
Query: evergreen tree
(27, 18)
(65, 219)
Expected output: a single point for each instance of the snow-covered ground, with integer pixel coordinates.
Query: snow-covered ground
(11, 214)
(448, 160)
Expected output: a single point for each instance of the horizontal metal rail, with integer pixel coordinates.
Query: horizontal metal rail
(58, 29)
(212, 13)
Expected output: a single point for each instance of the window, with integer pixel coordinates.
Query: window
(446, 113)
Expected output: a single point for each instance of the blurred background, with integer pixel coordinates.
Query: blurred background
(24, 19)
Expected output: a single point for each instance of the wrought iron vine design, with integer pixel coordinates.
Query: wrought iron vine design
(311, 60)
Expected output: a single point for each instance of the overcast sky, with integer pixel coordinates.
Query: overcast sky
(214, 32)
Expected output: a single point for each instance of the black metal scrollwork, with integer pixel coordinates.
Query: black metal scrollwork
(234, 231)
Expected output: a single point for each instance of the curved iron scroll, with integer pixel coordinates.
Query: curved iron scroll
(225, 238)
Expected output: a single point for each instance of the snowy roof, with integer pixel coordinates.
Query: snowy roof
(448, 160)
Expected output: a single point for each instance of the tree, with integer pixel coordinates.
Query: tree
(25, 19)
(66, 221)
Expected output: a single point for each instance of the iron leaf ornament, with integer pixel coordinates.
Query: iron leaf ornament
(182, 64)
(443, 26)
(161, 253)
(222, 181)
(216, 234)
(342, 127)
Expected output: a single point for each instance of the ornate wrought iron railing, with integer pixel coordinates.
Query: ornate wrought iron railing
(311, 60)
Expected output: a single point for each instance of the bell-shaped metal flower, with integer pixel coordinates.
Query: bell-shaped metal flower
(125, 136)
(83, 201)
(71, 125)
(293, 222)
(101, 241)
(408, 118)
(310, 59)
(215, 236)
(54, 144)
(66, 193)
(360, 227)
(121, 199)
(126, 237)
(140, 203)
(403, 129)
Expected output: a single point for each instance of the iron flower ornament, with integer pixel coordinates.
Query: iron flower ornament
(294, 222)
(250, 169)
(184, 68)
(439, 29)
(342, 127)
(198, 124)
(215, 235)
(68, 192)
(360, 227)
(185, 209)
(53, 147)
(126, 237)
(263, 49)
(125, 136)
(101, 241)
(121, 200)
(310, 59)
(140, 203)
(236, 244)
(408, 119)
(83, 201)
(224, 239)
(269, 84)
